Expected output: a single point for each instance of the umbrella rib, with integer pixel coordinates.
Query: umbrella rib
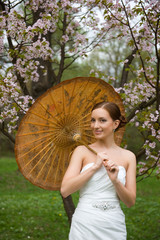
(72, 95)
(37, 155)
(40, 159)
(91, 93)
(87, 125)
(32, 133)
(35, 147)
(54, 117)
(84, 88)
(70, 152)
(36, 140)
(45, 163)
(53, 138)
(43, 117)
(55, 105)
(62, 90)
(81, 118)
(50, 167)
(57, 168)
(88, 121)
(40, 124)
(88, 135)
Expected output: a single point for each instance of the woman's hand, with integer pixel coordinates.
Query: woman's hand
(99, 160)
(112, 169)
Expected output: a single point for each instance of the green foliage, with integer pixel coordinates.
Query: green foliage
(133, 138)
(77, 70)
(28, 212)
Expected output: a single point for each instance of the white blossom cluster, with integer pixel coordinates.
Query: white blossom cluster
(12, 102)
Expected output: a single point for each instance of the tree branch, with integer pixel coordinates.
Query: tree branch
(11, 138)
(146, 16)
(2, 6)
(136, 45)
(125, 73)
(61, 66)
(141, 106)
(152, 168)
(140, 153)
(158, 66)
(19, 78)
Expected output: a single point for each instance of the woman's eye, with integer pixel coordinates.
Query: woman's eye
(103, 120)
(92, 120)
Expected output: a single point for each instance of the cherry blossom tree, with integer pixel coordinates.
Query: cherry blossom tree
(40, 39)
(139, 22)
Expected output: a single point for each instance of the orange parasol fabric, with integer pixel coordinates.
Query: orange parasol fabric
(48, 132)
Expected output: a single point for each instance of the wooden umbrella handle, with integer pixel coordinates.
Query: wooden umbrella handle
(77, 138)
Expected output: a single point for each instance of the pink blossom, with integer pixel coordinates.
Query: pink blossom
(137, 124)
(152, 145)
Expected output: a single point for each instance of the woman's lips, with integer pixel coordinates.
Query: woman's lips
(97, 132)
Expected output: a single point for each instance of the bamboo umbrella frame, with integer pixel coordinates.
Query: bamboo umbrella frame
(56, 123)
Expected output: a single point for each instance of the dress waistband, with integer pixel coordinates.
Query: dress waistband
(102, 205)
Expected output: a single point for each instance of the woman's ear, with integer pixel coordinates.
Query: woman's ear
(116, 124)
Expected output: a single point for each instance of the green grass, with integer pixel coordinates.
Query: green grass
(29, 212)
(143, 219)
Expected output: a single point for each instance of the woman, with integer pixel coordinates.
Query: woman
(102, 179)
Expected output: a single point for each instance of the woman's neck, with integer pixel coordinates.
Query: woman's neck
(105, 144)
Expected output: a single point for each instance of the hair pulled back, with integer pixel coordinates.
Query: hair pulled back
(113, 110)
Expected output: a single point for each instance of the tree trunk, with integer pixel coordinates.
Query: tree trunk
(69, 207)
(125, 72)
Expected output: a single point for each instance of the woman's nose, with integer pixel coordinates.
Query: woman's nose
(96, 124)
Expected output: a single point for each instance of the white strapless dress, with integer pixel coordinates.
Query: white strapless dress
(98, 215)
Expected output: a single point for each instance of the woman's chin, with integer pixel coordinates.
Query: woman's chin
(98, 136)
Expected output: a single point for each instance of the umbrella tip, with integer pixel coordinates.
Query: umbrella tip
(76, 137)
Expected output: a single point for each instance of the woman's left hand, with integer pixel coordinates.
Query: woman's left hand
(112, 169)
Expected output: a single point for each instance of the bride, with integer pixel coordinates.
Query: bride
(103, 180)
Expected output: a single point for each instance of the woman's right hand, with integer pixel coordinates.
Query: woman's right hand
(74, 179)
(99, 160)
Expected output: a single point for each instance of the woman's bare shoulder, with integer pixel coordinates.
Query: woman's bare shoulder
(128, 156)
(81, 150)
(127, 152)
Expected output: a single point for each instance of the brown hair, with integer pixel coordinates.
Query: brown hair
(113, 110)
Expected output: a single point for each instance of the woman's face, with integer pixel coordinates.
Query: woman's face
(101, 123)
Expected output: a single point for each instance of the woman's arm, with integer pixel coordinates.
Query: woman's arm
(126, 193)
(73, 180)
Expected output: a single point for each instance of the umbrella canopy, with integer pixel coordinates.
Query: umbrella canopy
(47, 134)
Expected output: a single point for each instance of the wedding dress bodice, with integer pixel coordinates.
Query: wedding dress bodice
(100, 187)
(98, 215)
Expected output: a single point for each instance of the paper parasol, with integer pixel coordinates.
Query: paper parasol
(45, 137)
